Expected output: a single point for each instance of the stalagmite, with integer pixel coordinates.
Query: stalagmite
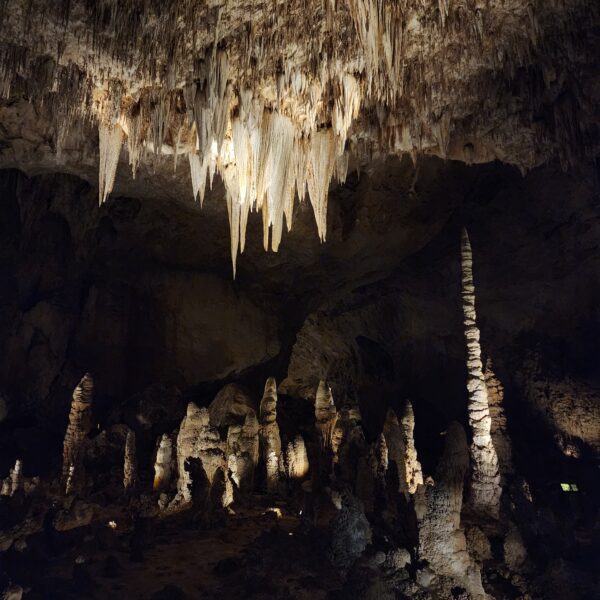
(163, 465)
(394, 437)
(243, 452)
(270, 440)
(296, 459)
(498, 429)
(325, 415)
(129, 462)
(111, 140)
(199, 445)
(80, 424)
(485, 479)
(14, 482)
(414, 473)
(442, 541)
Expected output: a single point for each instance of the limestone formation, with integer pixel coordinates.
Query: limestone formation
(296, 459)
(414, 473)
(163, 464)
(80, 424)
(130, 462)
(243, 452)
(498, 428)
(485, 489)
(201, 456)
(350, 532)
(442, 541)
(14, 483)
(275, 112)
(230, 406)
(325, 416)
(270, 440)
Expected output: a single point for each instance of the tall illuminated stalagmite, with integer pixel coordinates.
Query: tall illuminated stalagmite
(80, 424)
(485, 475)
(163, 463)
(270, 440)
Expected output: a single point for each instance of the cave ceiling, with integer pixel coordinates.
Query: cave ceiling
(282, 99)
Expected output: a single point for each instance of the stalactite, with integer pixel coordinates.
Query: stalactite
(111, 139)
(270, 440)
(129, 462)
(485, 480)
(80, 424)
(163, 464)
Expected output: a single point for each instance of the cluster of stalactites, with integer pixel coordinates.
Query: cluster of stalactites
(265, 156)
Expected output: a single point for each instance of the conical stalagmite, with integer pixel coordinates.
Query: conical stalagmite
(163, 465)
(485, 478)
(325, 415)
(394, 437)
(270, 440)
(129, 462)
(80, 424)
(498, 429)
(414, 473)
(442, 541)
(14, 482)
(243, 452)
(296, 459)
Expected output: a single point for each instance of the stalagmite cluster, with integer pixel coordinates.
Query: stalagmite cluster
(270, 440)
(199, 441)
(485, 480)
(80, 424)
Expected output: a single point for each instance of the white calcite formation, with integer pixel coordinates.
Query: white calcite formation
(325, 416)
(80, 424)
(243, 452)
(442, 541)
(163, 464)
(199, 440)
(413, 471)
(498, 428)
(129, 462)
(270, 439)
(485, 474)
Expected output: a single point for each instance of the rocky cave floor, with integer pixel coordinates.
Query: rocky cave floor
(173, 470)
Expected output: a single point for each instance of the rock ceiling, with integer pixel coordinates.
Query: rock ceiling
(278, 97)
